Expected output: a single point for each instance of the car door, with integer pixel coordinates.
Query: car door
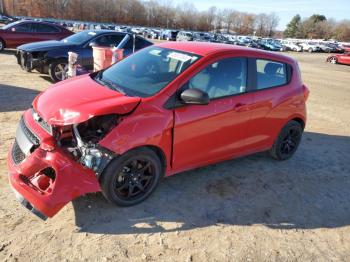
(345, 59)
(19, 34)
(271, 102)
(206, 133)
(43, 32)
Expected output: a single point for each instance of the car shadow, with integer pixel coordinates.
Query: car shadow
(15, 98)
(8, 52)
(310, 190)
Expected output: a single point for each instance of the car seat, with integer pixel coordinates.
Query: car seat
(226, 78)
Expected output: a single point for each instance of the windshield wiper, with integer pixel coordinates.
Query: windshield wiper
(113, 86)
(108, 83)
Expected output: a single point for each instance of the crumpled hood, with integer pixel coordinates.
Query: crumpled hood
(79, 99)
(45, 46)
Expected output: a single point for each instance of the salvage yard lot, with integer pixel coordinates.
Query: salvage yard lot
(253, 208)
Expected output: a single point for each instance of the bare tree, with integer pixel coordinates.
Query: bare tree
(272, 23)
(163, 13)
(261, 25)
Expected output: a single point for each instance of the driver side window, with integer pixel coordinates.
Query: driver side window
(223, 78)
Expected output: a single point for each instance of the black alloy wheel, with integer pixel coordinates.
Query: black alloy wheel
(132, 177)
(288, 141)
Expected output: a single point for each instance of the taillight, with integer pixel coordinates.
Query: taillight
(306, 92)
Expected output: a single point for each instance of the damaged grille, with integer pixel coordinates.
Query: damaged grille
(29, 133)
(24, 59)
(17, 155)
(25, 143)
(42, 122)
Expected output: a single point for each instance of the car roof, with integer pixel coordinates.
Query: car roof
(37, 22)
(205, 49)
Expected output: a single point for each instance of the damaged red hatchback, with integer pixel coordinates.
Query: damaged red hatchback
(166, 109)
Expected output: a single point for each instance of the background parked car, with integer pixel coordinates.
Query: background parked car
(325, 48)
(339, 59)
(22, 32)
(346, 47)
(137, 30)
(184, 36)
(254, 44)
(269, 45)
(201, 37)
(310, 47)
(5, 19)
(52, 56)
(335, 48)
(169, 35)
(152, 33)
(292, 46)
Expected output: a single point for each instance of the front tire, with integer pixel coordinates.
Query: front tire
(58, 70)
(287, 141)
(333, 60)
(132, 177)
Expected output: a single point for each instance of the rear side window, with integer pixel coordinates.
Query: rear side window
(22, 28)
(140, 43)
(270, 74)
(109, 40)
(43, 28)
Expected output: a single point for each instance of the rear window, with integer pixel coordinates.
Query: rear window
(270, 74)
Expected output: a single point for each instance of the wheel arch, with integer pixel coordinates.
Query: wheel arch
(299, 120)
(159, 152)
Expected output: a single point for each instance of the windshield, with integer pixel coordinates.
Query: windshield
(80, 38)
(146, 72)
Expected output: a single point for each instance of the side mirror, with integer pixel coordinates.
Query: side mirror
(194, 96)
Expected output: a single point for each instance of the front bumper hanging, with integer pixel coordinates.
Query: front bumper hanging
(44, 177)
(28, 62)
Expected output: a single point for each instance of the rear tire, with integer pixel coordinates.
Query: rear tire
(132, 177)
(58, 70)
(2, 45)
(287, 141)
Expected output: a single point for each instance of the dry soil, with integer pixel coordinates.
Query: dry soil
(248, 209)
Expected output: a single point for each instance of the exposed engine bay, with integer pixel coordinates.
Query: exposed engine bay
(81, 140)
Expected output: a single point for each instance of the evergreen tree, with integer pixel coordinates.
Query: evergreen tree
(293, 27)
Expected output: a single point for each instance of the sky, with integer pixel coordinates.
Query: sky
(285, 9)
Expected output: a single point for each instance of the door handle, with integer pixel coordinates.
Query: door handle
(239, 107)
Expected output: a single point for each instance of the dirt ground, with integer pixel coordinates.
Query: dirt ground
(248, 209)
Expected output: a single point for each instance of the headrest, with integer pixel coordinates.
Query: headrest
(230, 67)
(272, 68)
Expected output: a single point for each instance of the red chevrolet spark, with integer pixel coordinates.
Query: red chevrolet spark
(166, 109)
